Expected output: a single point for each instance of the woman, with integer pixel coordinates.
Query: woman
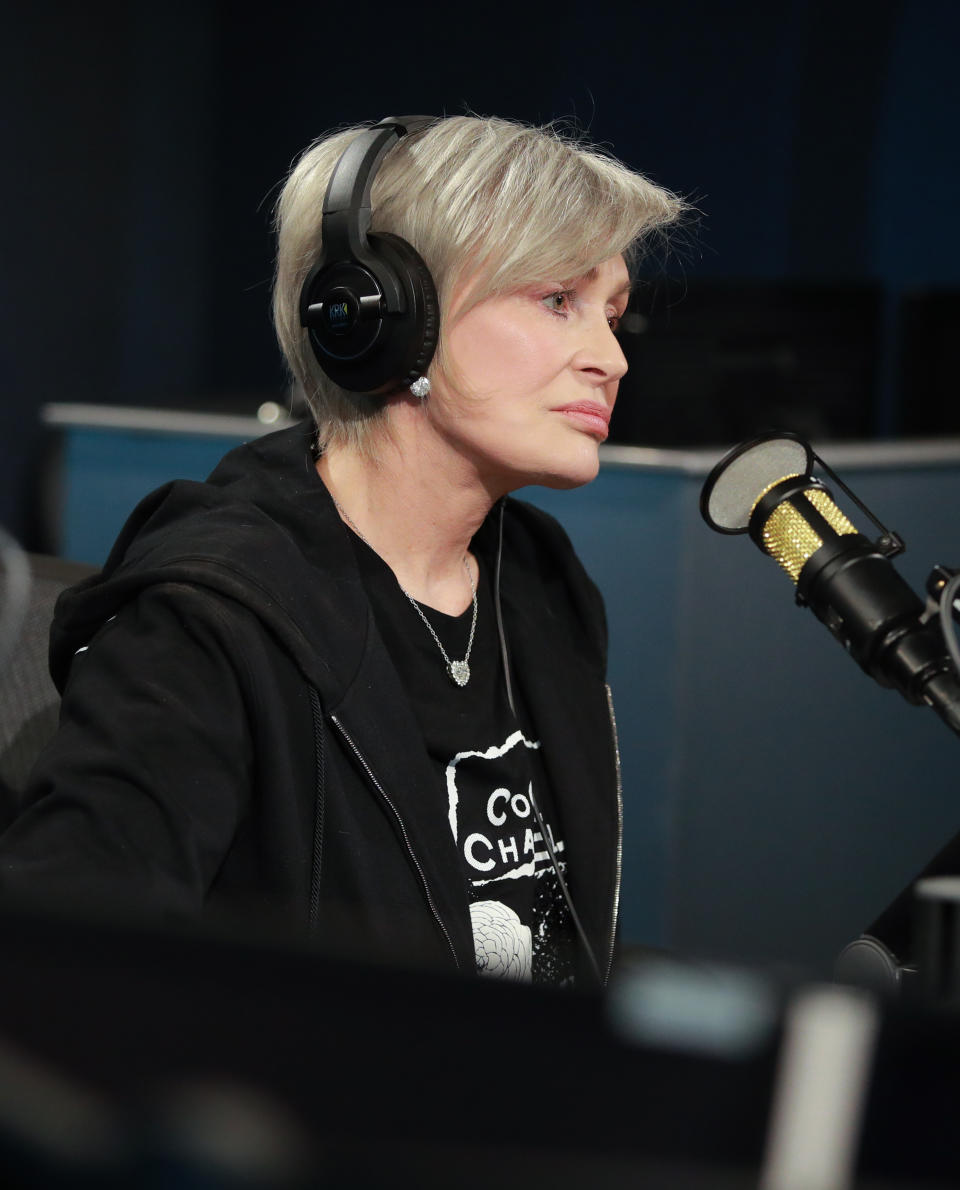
(347, 683)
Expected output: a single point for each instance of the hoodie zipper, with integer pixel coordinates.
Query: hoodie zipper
(319, 810)
(619, 861)
(403, 831)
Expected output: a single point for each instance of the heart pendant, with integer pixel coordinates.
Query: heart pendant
(459, 671)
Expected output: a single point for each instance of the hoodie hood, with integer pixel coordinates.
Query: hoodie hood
(246, 533)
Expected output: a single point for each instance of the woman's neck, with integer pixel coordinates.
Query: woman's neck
(417, 515)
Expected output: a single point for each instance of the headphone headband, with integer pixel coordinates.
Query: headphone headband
(348, 191)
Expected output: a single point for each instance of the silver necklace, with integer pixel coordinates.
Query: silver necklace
(459, 671)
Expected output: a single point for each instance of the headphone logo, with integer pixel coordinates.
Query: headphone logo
(340, 312)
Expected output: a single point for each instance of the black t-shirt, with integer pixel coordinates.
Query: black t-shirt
(490, 768)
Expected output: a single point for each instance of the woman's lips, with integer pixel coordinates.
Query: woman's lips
(593, 418)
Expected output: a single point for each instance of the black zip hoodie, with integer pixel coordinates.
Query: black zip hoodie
(235, 740)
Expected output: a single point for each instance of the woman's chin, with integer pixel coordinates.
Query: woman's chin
(571, 475)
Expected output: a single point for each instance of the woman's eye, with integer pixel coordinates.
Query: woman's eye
(559, 302)
(613, 322)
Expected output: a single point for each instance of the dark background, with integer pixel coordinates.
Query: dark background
(142, 145)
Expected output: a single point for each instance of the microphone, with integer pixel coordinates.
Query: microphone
(764, 487)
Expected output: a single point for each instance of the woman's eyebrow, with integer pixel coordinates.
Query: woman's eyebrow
(624, 290)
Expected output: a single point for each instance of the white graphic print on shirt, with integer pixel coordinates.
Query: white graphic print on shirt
(489, 796)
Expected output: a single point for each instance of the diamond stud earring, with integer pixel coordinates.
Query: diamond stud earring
(421, 388)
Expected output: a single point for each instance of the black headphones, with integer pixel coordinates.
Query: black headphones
(369, 303)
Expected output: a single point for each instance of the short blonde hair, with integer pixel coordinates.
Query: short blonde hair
(497, 202)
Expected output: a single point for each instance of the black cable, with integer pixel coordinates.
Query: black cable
(947, 597)
(574, 916)
(499, 613)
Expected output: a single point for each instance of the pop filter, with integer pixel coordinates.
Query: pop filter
(735, 484)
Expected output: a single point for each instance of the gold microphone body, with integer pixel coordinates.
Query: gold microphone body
(849, 585)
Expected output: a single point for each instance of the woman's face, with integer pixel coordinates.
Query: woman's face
(532, 380)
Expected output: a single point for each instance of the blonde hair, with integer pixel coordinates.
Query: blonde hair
(500, 203)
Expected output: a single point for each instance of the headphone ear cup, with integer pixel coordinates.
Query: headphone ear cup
(374, 354)
(414, 335)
